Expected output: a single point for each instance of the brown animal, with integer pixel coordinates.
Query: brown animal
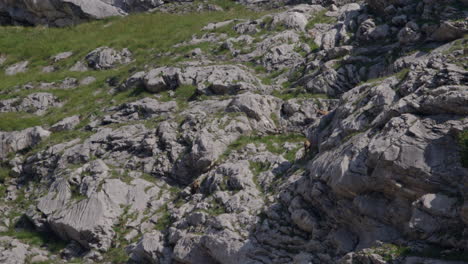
(307, 146)
(195, 186)
(322, 112)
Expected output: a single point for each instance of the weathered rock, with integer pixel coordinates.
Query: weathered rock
(263, 110)
(62, 56)
(66, 124)
(107, 58)
(13, 251)
(79, 66)
(161, 79)
(448, 31)
(69, 12)
(150, 249)
(209, 80)
(37, 103)
(142, 109)
(20, 140)
(409, 34)
(20, 67)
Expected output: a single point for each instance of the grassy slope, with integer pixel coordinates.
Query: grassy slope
(146, 35)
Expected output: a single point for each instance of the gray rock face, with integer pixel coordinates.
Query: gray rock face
(106, 58)
(69, 12)
(209, 80)
(405, 149)
(142, 109)
(36, 103)
(66, 124)
(20, 140)
(15, 252)
(295, 18)
(20, 67)
(244, 172)
(88, 222)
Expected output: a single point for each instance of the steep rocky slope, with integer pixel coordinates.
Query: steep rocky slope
(326, 132)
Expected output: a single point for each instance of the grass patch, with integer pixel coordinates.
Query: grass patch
(390, 252)
(401, 75)
(184, 93)
(164, 220)
(4, 173)
(38, 239)
(121, 175)
(273, 143)
(320, 18)
(215, 209)
(258, 167)
(116, 255)
(141, 33)
(76, 195)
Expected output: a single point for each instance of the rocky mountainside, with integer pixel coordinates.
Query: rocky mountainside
(234, 132)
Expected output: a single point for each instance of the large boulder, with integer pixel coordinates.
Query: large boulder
(36, 103)
(16, 68)
(104, 58)
(209, 80)
(68, 12)
(21, 140)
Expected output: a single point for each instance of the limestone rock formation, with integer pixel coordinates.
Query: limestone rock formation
(68, 12)
(318, 132)
(37, 103)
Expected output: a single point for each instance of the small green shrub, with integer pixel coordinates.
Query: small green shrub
(390, 252)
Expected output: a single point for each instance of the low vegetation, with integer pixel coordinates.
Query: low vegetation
(273, 143)
(320, 18)
(146, 35)
(38, 239)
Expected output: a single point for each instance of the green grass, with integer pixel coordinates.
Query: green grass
(85, 101)
(124, 177)
(310, 41)
(216, 208)
(146, 35)
(320, 18)
(76, 195)
(116, 255)
(31, 237)
(273, 143)
(258, 167)
(463, 140)
(182, 95)
(4, 174)
(164, 220)
(390, 252)
(143, 34)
